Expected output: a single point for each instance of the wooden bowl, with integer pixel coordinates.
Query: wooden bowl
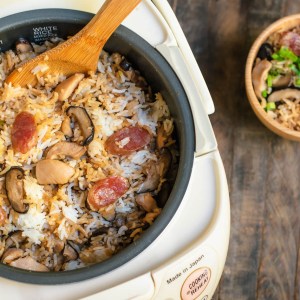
(285, 23)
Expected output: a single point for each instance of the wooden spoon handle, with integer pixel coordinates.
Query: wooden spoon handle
(80, 53)
(91, 39)
(108, 18)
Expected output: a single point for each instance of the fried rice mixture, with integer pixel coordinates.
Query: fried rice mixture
(82, 162)
(276, 77)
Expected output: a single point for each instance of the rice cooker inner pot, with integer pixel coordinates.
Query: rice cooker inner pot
(38, 26)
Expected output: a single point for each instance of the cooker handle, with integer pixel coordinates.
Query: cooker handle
(205, 138)
(165, 9)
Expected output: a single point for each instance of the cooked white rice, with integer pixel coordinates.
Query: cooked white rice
(58, 214)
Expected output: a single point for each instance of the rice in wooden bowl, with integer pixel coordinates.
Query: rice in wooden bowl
(272, 77)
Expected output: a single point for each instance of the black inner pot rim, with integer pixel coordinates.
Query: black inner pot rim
(16, 22)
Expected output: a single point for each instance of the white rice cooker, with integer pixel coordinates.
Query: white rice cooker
(186, 261)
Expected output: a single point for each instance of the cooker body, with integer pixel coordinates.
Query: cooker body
(40, 25)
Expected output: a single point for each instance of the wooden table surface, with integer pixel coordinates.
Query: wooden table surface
(263, 170)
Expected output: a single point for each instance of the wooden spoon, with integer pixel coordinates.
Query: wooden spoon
(80, 53)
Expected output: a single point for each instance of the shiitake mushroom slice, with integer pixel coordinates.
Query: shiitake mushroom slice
(84, 121)
(15, 189)
(265, 51)
(23, 46)
(154, 172)
(14, 239)
(69, 252)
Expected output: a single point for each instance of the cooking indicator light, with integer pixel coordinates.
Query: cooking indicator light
(195, 284)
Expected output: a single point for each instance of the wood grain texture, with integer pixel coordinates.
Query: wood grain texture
(263, 170)
(278, 267)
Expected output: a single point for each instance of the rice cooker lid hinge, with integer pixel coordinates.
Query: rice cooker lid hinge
(205, 138)
(176, 51)
(176, 34)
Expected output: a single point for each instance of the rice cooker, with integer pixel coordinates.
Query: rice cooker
(186, 259)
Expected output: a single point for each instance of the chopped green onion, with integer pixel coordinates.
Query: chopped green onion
(264, 93)
(269, 80)
(270, 106)
(297, 82)
(274, 73)
(276, 57)
(287, 54)
(295, 69)
(298, 63)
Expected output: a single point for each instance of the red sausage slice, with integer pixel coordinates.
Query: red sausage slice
(24, 132)
(292, 41)
(127, 140)
(106, 191)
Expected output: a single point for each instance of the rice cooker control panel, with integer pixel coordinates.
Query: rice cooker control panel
(193, 276)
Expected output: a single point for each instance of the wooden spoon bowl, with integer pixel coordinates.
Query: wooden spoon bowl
(80, 53)
(283, 24)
